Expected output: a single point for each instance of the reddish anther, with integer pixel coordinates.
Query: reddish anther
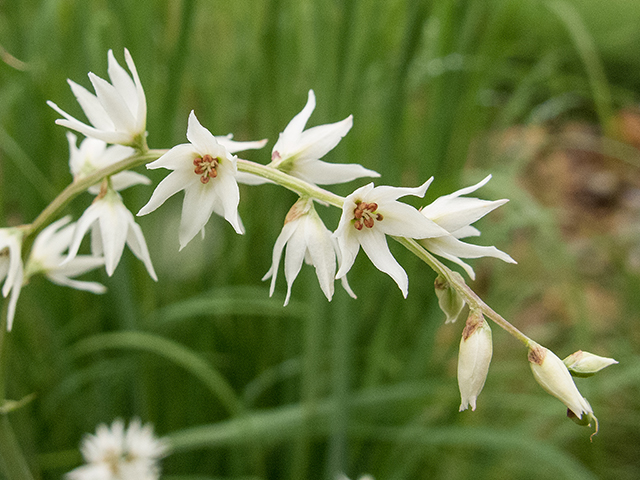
(206, 167)
(365, 215)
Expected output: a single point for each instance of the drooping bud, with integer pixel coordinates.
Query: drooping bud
(554, 377)
(450, 302)
(474, 358)
(585, 364)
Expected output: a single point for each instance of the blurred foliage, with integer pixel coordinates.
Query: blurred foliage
(453, 89)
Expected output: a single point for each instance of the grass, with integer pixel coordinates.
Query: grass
(248, 389)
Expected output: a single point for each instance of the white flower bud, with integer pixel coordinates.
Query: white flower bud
(554, 377)
(450, 302)
(585, 364)
(474, 359)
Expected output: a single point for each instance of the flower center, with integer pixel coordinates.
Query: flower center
(364, 215)
(206, 167)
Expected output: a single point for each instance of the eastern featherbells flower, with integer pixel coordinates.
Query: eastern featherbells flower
(112, 225)
(46, 257)
(11, 269)
(473, 360)
(455, 214)
(298, 151)
(117, 111)
(93, 155)
(118, 454)
(370, 213)
(554, 377)
(206, 171)
(306, 238)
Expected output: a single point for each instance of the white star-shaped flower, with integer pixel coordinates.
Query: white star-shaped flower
(206, 170)
(93, 155)
(11, 269)
(455, 214)
(118, 454)
(368, 215)
(47, 256)
(306, 238)
(298, 151)
(112, 225)
(117, 111)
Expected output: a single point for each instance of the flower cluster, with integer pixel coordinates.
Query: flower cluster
(208, 170)
(116, 453)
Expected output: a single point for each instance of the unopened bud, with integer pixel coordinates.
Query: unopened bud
(451, 303)
(474, 359)
(554, 377)
(585, 364)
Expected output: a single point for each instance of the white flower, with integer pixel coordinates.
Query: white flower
(94, 155)
(298, 151)
(306, 239)
(474, 359)
(206, 171)
(11, 269)
(368, 214)
(116, 454)
(553, 376)
(112, 225)
(46, 258)
(117, 111)
(455, 214)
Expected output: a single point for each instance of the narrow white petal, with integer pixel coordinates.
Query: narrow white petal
(202, 139)
(114, 105)
(79, 265)
(138, 245)
(465, 232)
(316, 142)
(228, 193)
(91, 107)
(288, 230)
(297, 123)
(233, 147)
(196, 211)
(459, 212)
(126, 179)
(15, 293)
(169, 186)
(374, 243)
(349, 248)
(251, 179)
(320, 249)
(141, 114)
(122, 82)
(93, 287)
(179, 157)
(85, 221)
(385, 193)
(324, 173)
(296, 249)
(403, 220)
(113, 232)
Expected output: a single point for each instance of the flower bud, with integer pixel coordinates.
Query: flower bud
(554, 377)
(585, 364)
(474, 359)
(451, 303)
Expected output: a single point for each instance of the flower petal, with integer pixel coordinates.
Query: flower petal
(138, 245)
(114, 104)
(169, 186)
(324, 173)
(202, 139)
(196, 211)
(233, 147)
(374, 243)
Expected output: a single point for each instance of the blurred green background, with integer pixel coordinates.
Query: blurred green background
(543, 95)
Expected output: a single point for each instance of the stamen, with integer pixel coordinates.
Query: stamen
(365, 215)
(206, 167)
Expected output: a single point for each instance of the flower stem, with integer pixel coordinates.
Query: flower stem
(78, 186)
(302, 188)
(457, 282)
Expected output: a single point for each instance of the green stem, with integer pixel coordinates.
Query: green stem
(457, 282)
